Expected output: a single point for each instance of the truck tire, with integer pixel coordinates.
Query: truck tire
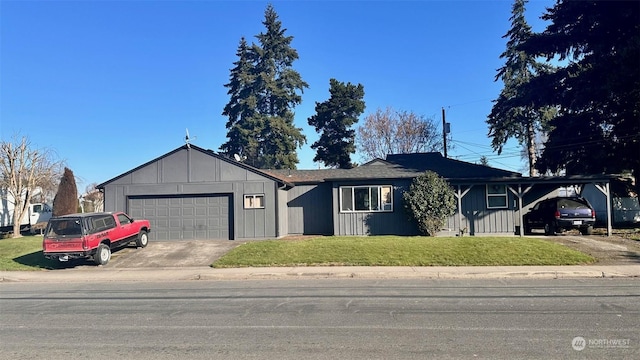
(549, 229)
(588, 230)
(102, 255)
(143, 239)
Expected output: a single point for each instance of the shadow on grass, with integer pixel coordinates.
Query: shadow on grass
(38, 261)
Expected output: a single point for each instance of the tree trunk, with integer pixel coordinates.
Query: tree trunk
(531, 149)
(18, 213)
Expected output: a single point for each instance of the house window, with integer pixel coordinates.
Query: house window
(254, 201)
(496, 196)
(366, 198)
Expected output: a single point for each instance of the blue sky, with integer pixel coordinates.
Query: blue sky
(110, 85)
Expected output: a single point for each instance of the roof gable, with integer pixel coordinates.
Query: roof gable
(201, 152)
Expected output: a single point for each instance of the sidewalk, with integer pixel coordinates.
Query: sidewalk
(101, 274)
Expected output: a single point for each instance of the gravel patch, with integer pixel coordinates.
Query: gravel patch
(608, 250)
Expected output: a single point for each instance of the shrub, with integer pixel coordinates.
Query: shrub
(429, 201)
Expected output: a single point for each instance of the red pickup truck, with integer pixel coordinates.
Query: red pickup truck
(92, 235)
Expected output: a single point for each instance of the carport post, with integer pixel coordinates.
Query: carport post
(607, 194)
(460, 195)
(520, 194)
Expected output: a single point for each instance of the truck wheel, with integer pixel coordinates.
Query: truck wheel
(143, 239)
(102, 255)
(549, 229)
(587, 230)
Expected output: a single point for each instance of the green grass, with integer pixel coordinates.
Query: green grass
(402, 251)
(24, 253)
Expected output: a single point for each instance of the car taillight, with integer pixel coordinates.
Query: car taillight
(84, 244)
(593, 214)
(557, 214)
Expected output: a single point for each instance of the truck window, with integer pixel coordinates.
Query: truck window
(37, 208)
(110, 222)
(65, 227)
(123, 219)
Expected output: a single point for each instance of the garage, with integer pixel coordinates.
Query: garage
(185, 217)
(192, 193)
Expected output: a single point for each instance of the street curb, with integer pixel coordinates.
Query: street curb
(102, 274)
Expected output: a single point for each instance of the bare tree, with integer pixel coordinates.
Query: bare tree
(396, 132)
(93, 198)
(23, 169)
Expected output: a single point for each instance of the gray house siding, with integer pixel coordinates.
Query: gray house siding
(478, 219)
(373, 223)
(186, 176)
(283, 218)
(310, 209)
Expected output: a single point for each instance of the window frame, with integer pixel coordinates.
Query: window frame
(495, 195)
(253, 202)
(381, 206)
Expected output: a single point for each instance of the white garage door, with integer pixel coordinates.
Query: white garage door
(184, 217)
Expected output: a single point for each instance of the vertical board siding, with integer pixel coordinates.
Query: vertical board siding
(375, 223)
(283, 217)
(480, 220)
(310, 209)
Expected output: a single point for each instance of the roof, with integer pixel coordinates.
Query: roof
(83, 215)
(398, 166)
(445, 167)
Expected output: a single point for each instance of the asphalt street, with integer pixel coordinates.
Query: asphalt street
(322, 319)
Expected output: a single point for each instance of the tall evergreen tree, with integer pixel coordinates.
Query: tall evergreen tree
(334, 119)
(264, 90)
(521, 122)
(597, 129)
(66, 199)
(243, 129)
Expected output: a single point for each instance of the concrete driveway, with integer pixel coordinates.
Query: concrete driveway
(159, 254)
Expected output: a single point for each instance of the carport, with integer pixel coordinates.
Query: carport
(528, 191)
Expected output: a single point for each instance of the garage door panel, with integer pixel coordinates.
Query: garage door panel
(188, 212)
(185, 218)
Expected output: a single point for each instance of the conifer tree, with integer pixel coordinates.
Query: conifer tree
(597, 88)
(520, 122)
(264, 90)
(241, 109)
(334, 119)
(66, 199)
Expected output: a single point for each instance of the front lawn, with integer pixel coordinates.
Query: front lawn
(24, 253)
(402, 251)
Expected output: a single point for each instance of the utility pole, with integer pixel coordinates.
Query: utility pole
(444, 133)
